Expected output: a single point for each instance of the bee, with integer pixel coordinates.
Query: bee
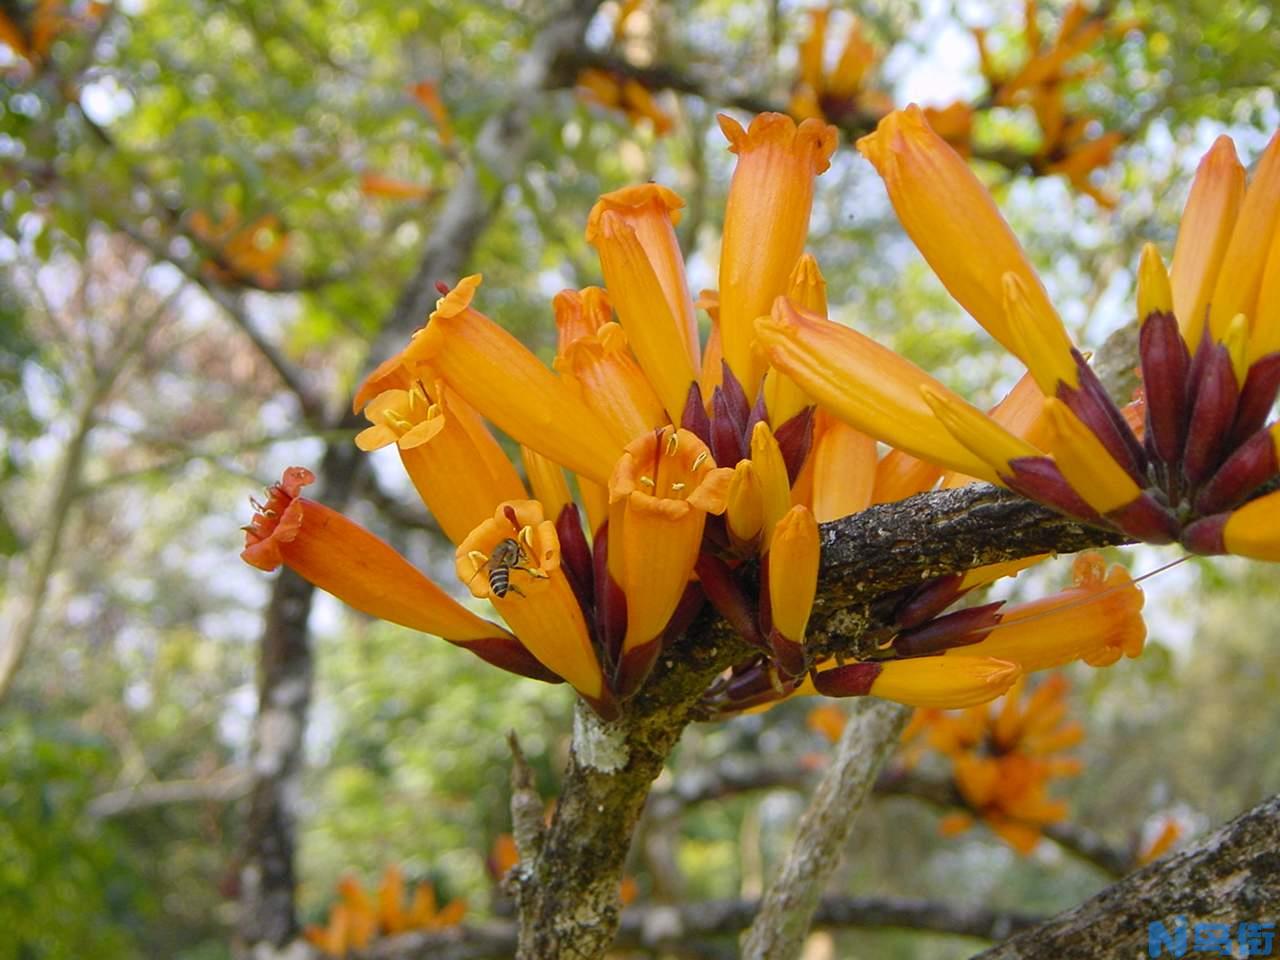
(508, 555)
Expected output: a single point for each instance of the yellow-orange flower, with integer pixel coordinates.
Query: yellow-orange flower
(792, 572)
(866, 385)
(663, 487)
(948, 682)
(657, 332)
(1097, 620)
(341, 557)
(455, 464)
(844, 468)
(607, 378)
(765, 224)
(955, 224)
(513, 560)
(1203, 234)
(498, 376)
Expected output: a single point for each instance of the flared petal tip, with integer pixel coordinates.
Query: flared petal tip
(781, 130)
(458, 299)
(880, 146)
(275, 522)
(632, 199)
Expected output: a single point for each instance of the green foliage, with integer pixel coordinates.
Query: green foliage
(66, 888)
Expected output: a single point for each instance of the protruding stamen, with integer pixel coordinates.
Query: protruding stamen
(699, 460)
(647, 481)
(677, 487)
(673, 444)
(526, 537)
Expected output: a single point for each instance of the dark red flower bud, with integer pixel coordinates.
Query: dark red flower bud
(1253, 464)
(953, 630)
(795, 439)
(1213, 412)
(851, 680)
(1039, 479)
(694, 418)
(1165, 364)
(1146, 520)
(1206, 536)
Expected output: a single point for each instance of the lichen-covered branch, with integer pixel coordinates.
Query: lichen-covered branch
(780, 928)
(1229, 877)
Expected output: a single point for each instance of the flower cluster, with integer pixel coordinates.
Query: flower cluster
(1209, 353)
(616, 91)
(662, 473)
(241, 253)
(1069, 142)
(1068, 147)
(358, 918)
(842, 91)
(1003, 759)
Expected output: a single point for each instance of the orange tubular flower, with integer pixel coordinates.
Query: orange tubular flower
(653, 211)
(344, 559)
(844, 468)
(807, 289)
(866, 385)
(946, 682)
(955, 224)
(428, 95)
(658, 333)
(513, 560)
(775, 489)
(455, 464)
(380, 185)
(1207, 223)
(579, 314)
(1098, 620)
(791, 569)
(765, 224)
(609, 380)
(1240, 276)
(547, 480)
(661, 491)
(498, 376)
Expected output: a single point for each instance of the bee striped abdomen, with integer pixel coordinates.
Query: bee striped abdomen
(500, 581)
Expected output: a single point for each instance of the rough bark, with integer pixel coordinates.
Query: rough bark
(1229, 877)
(870, 734)
(567, 897)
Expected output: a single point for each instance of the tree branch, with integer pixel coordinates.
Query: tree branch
(1233, 875)
(780, 928)
(669, 927)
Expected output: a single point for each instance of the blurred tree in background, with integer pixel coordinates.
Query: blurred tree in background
(218, 215)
